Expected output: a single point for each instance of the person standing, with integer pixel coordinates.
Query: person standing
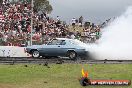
(73, 22)
(80, 21)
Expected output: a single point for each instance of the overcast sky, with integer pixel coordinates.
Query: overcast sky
(92, 10)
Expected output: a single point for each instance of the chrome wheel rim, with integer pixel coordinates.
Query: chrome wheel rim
(72, 55)
(35, 54)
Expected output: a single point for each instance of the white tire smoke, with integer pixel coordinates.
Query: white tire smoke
(116, 40)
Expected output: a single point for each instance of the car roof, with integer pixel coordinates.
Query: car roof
(63, 38)
(67, 39)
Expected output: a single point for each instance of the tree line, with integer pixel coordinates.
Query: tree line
(39, 5)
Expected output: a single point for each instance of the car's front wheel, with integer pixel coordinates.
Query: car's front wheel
(35, 53)
(72, 54)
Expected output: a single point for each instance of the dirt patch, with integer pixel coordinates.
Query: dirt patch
(40, 83)
(2, 85)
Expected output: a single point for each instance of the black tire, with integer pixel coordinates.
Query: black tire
(35, 53)
(72, 55)
(47, 57)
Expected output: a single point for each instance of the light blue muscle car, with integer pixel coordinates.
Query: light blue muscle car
(59, 47)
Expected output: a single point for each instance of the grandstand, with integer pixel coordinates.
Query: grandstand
(15, 26)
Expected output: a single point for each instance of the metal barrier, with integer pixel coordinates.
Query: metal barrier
(12, 51)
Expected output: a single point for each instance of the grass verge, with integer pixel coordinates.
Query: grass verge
(60, 76)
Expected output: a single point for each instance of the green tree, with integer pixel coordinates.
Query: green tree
(1, 1)
(43, 5)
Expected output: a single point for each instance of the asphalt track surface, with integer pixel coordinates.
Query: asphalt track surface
(17, 60)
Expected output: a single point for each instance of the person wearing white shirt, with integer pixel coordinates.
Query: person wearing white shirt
(72, 36)
(73, 22)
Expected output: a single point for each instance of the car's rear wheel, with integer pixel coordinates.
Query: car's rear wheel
(72, 54)
(35, 53)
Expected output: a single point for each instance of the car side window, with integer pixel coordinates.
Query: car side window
(63, 42)
(57, 42)
(53, 42)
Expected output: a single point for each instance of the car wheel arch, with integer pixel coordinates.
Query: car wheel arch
(33, 50)
(70, 50)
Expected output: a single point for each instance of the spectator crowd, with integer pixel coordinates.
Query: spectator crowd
(15, 26)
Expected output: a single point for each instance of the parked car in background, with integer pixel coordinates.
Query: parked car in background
(59, 47)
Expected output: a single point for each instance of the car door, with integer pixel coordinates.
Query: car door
(66, 46)
(62, 48)
(52, 48)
